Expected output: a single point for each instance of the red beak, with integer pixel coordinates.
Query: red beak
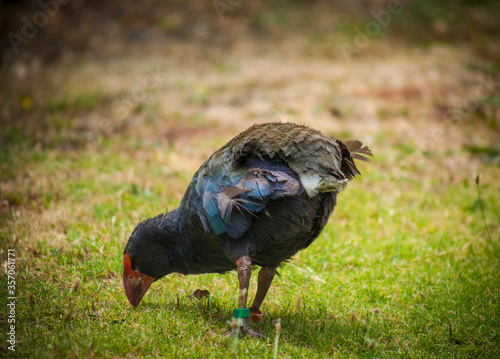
(136, 284)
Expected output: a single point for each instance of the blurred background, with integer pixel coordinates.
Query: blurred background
(77, 73)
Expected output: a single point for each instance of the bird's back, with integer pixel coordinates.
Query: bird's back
(269, 191)
(315, 157)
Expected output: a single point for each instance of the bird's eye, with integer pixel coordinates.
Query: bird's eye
(131, 277)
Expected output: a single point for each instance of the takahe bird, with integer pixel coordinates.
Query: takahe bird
(258, 200)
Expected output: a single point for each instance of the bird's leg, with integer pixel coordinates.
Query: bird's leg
(244, 267)
(266, 276)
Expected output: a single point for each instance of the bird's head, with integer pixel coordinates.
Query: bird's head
(136, 283)
(151, 253)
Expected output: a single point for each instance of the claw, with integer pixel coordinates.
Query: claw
(246, 331)
(251, 333)
(241, 328)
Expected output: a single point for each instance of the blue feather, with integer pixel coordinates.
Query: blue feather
(212, 210)
(259, 188)
(229, 199)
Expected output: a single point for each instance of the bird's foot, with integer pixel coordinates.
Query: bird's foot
(256, 317)
(246, 331)
(241, 328)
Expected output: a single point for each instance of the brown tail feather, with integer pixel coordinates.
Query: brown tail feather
(352, 150)
(357, 150)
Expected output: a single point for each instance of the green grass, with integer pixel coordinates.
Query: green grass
(399, 264)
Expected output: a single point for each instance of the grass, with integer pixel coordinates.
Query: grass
(404, 268)
(407, 266)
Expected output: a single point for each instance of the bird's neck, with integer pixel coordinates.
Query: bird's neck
(178, 245)
(181, 244)
(168, 244)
